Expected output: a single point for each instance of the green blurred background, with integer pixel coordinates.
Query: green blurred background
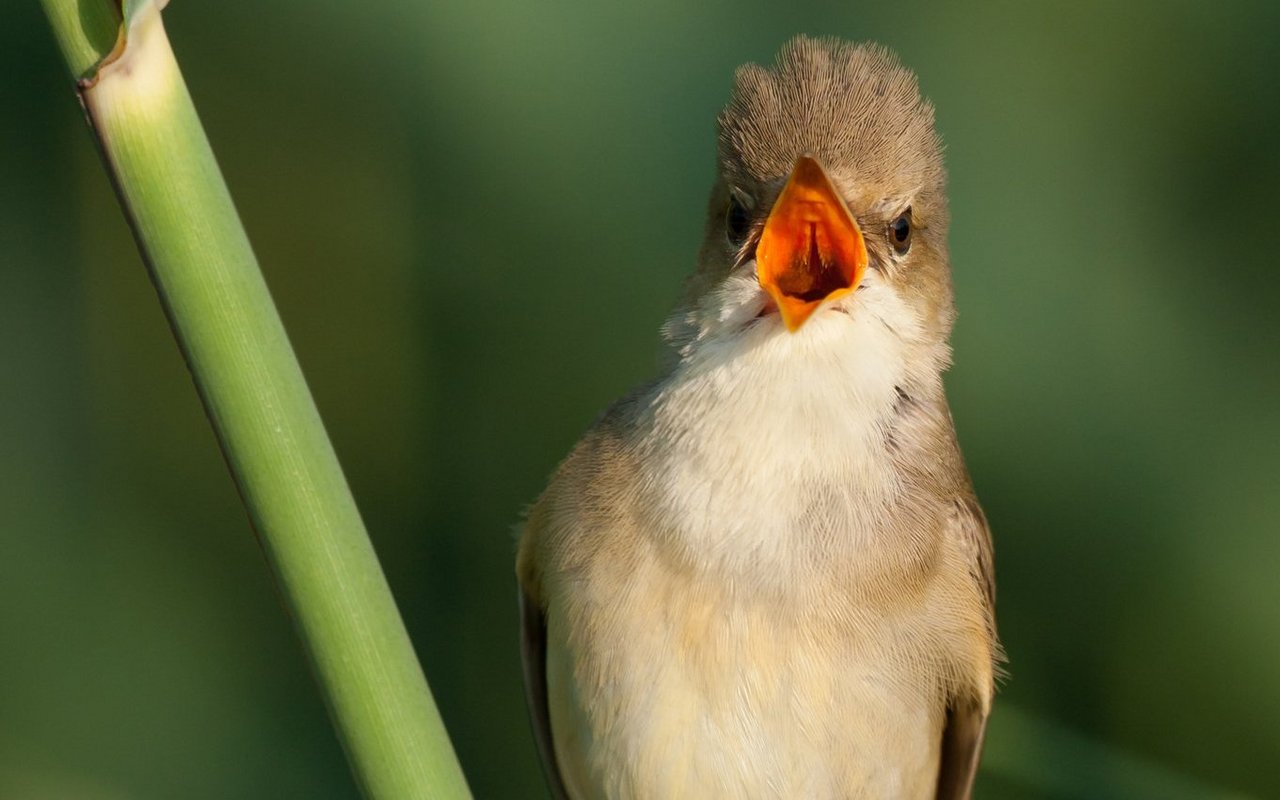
(474, 217)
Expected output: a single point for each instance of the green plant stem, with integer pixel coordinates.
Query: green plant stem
(257, 400)
(85, 30)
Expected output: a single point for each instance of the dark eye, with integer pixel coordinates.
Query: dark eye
(900, 232)
(737, 222)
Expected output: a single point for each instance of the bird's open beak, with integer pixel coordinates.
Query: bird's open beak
(811, 249)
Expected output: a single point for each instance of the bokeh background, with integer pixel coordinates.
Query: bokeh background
(474, 218)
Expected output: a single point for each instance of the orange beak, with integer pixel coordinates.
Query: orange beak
(811, 249)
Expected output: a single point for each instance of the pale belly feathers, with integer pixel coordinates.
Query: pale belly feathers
(685, 692)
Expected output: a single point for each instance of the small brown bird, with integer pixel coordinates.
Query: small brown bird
(765, 574)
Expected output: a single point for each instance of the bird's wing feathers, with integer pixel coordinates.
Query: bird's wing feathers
(961, 748)
(557, 524)
(533, 651)
(966, 723)
(533, 644)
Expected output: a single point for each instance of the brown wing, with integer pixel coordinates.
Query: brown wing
(966, 723)
(961, 749)
(533, 651)
(593, 463)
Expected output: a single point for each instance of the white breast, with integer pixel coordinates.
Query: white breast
(765, 450)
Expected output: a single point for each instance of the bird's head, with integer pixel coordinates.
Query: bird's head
(829, 206)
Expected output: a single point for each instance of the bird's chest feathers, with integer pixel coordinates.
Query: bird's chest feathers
(691, 691)
(768, 452)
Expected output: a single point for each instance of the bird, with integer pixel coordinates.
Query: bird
(765, 572)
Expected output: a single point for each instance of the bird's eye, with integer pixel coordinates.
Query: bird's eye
(900, 232)
(737, 222)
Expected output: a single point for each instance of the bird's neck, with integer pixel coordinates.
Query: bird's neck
(769, 451)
